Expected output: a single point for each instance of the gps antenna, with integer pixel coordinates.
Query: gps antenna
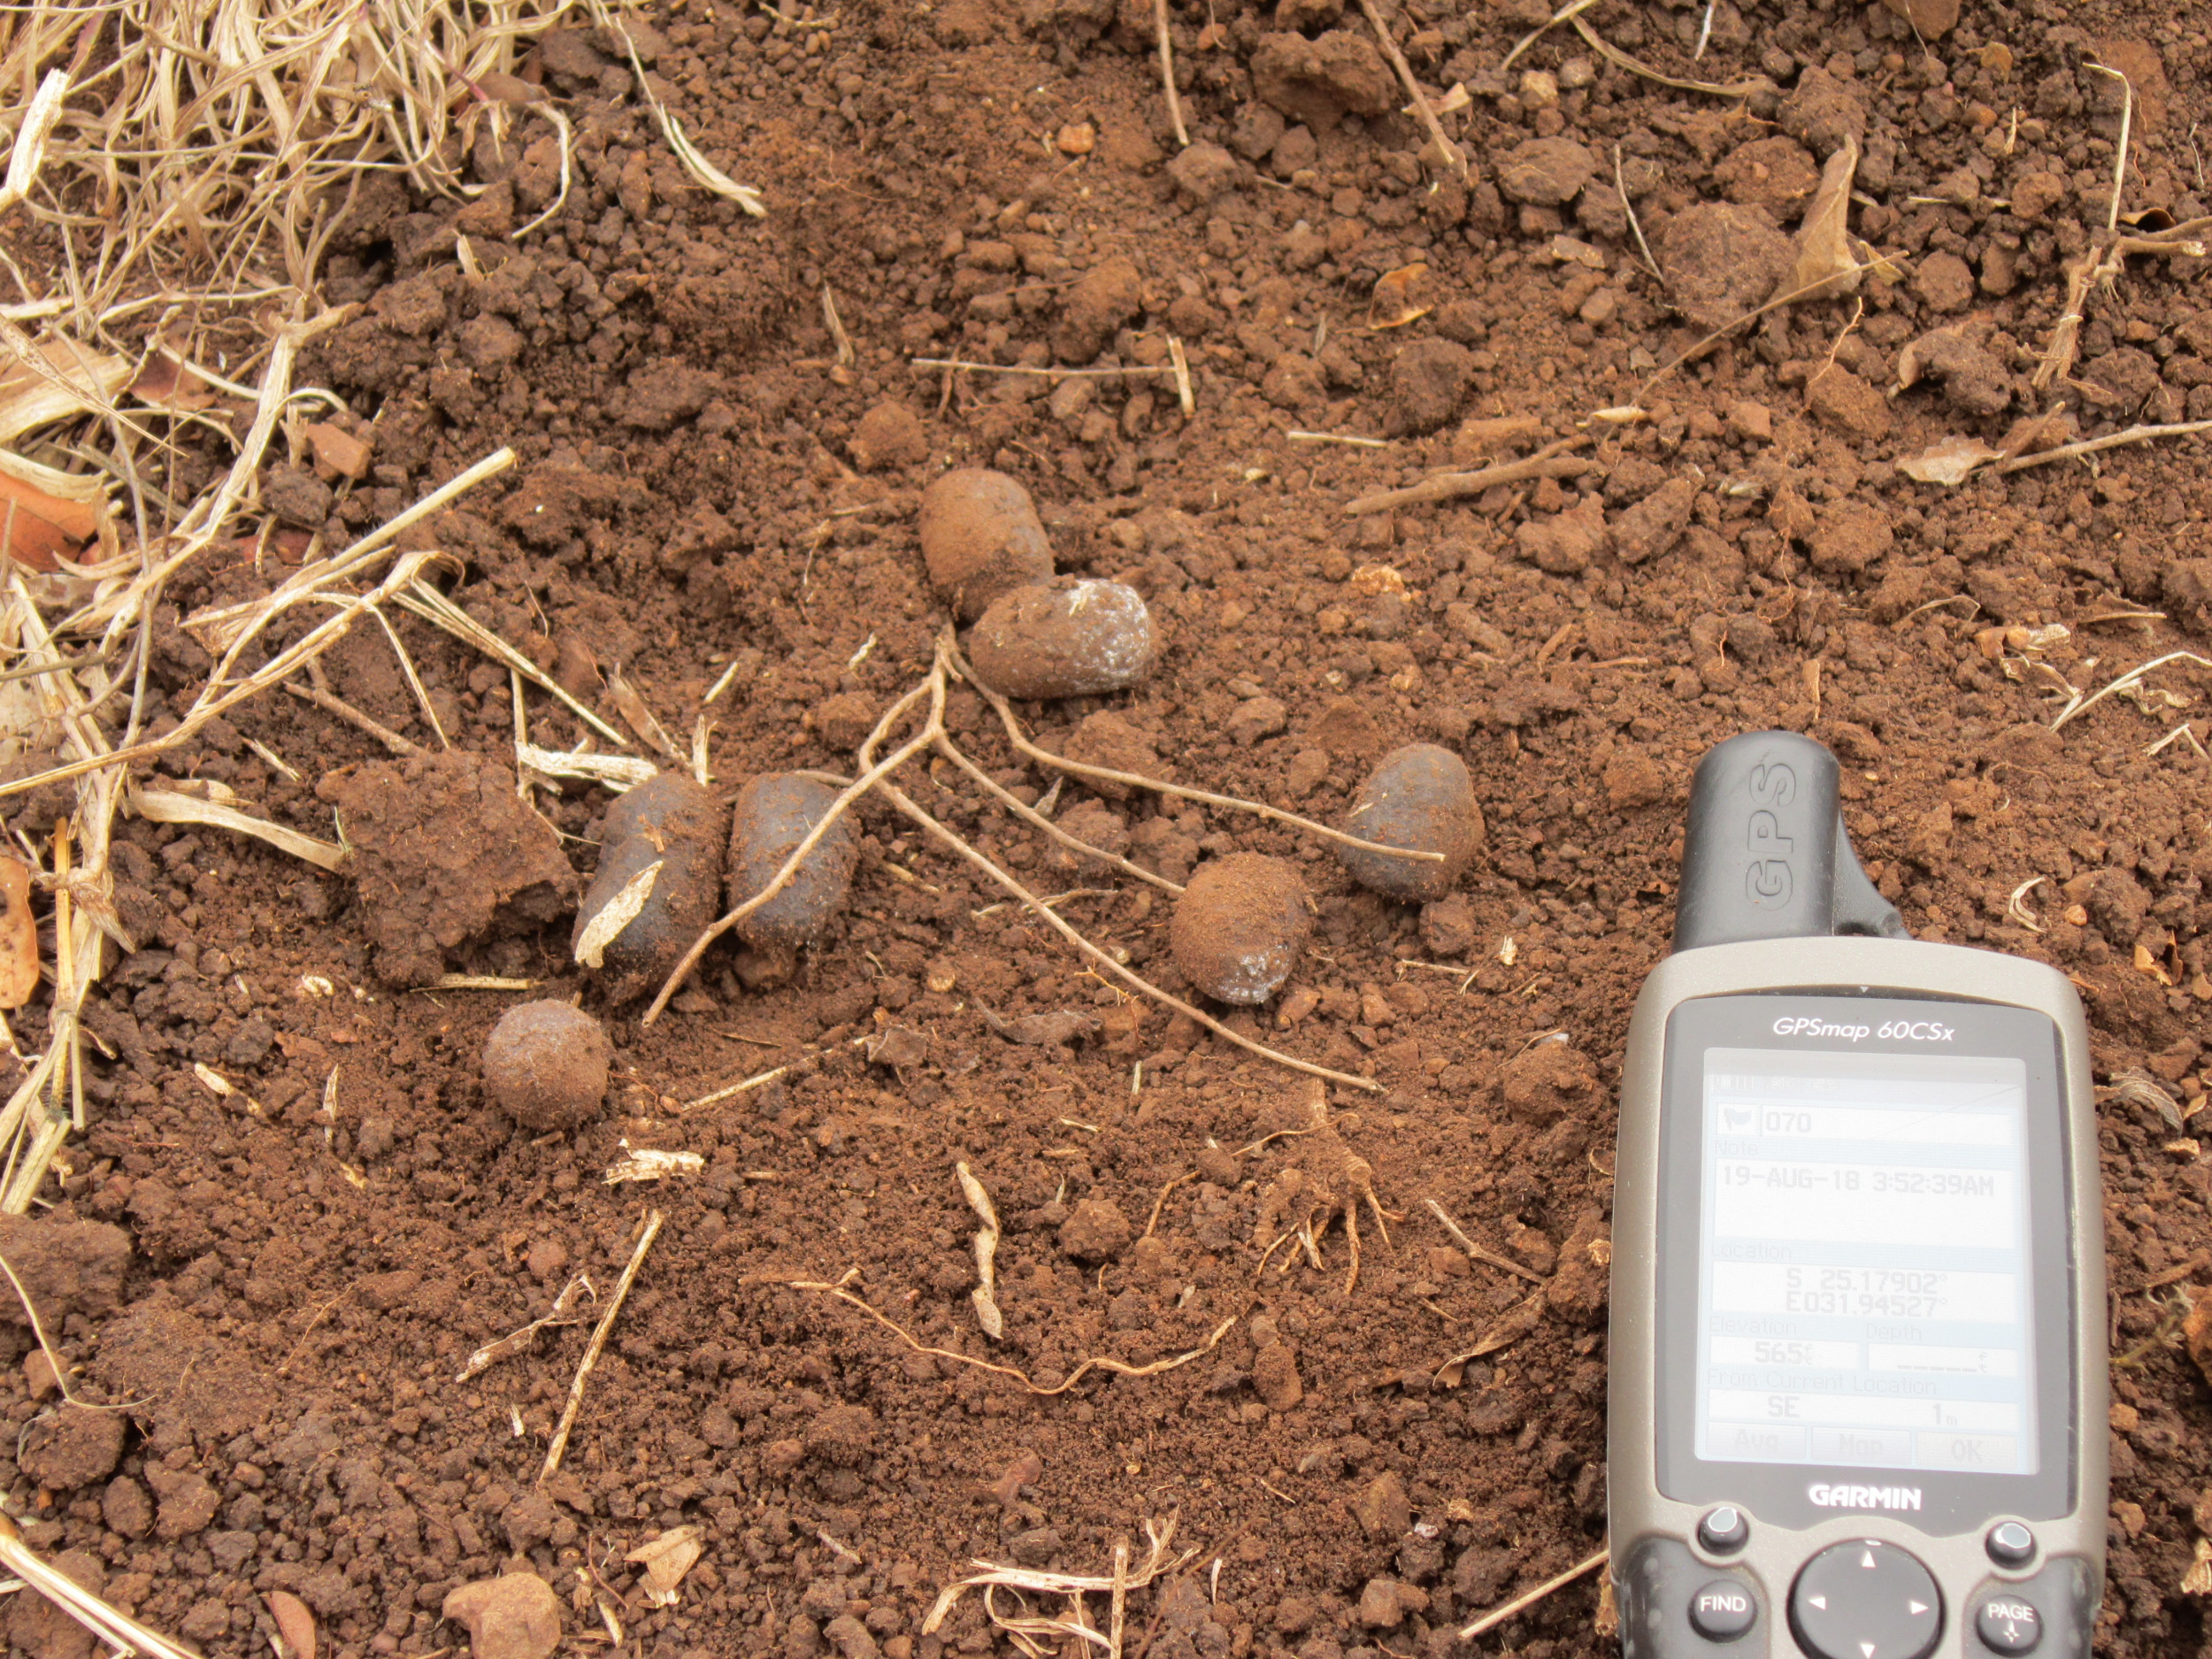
(1766, 855)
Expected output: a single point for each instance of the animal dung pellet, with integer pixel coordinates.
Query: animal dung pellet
(659, 883)
(1240, 925)
(1418, 797)
(1071, 637)
(545, 1066)
(775, 812)
(980, 537)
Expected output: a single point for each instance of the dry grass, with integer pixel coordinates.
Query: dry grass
(176, 171)
(202, 150)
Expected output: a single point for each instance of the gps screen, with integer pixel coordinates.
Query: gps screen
(1864, 1295)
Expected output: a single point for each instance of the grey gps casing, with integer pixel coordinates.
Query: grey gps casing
(1741, 960)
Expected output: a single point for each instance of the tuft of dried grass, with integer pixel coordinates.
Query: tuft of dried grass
(223, 137)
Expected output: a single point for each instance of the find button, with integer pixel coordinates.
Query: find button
(1723, 1610)
(2007, 1624)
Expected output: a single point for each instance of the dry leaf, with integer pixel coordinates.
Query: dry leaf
(1043, 1030)
(294, 1624)
(507, 88)
(1400, 297)
(615, 915)
(1951, 461)
(19, 936)
(633, 709)
(984, 1295)
(1605, 1624)
(68, 379)
(40, 528)
(2197, 1579)
(166, 383)
(666, 1560)
(2146, 963)
(1825, 266)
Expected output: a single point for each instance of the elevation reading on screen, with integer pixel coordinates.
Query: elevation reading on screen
(1863, 1262)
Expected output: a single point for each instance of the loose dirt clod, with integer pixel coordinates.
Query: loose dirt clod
(1068, 638)
(1240, 926)
(775, 812)
(981, 536)
(545, 1066)
(444, 852)
(1418, 797)
(1721, 260)
(62, 1268)
(667, 825)
(516, 1616)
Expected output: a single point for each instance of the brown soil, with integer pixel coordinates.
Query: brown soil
(701, 484)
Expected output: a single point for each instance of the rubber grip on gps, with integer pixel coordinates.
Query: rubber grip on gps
(1766, 855)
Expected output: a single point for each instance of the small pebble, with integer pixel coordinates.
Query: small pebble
(1240, 925)
(545, 1066)
(1071, 637)
(774, 814)
(668, 820)
(1078, 138)
(1418, 797)
(981, 536)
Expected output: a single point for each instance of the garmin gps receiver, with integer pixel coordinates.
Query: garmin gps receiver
(1857, 1392)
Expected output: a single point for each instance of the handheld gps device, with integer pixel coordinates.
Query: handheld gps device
(1857, 1392)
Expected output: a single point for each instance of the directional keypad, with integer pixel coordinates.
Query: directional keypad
(1865, 1600)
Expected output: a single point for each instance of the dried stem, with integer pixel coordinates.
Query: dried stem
(1546, 463)
(1095, 1363)
(168, 806)
(2133, 677)
(1167, 75)
(1523, 1602)
(1060, 762)
(1030, 815)
(2110, 441)
(1135, 981)
(330, 703)
(1613, 54)
(1572, 9)
(1620, 183)
(433, 606)
(110, 1624)
(962, 365)
(1475, 1250)
(932, 688)
(598, 1340)
(1454, 157)
(2120, 157)
(2100, 265)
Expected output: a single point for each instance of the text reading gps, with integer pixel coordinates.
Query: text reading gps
(1857, 1402)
